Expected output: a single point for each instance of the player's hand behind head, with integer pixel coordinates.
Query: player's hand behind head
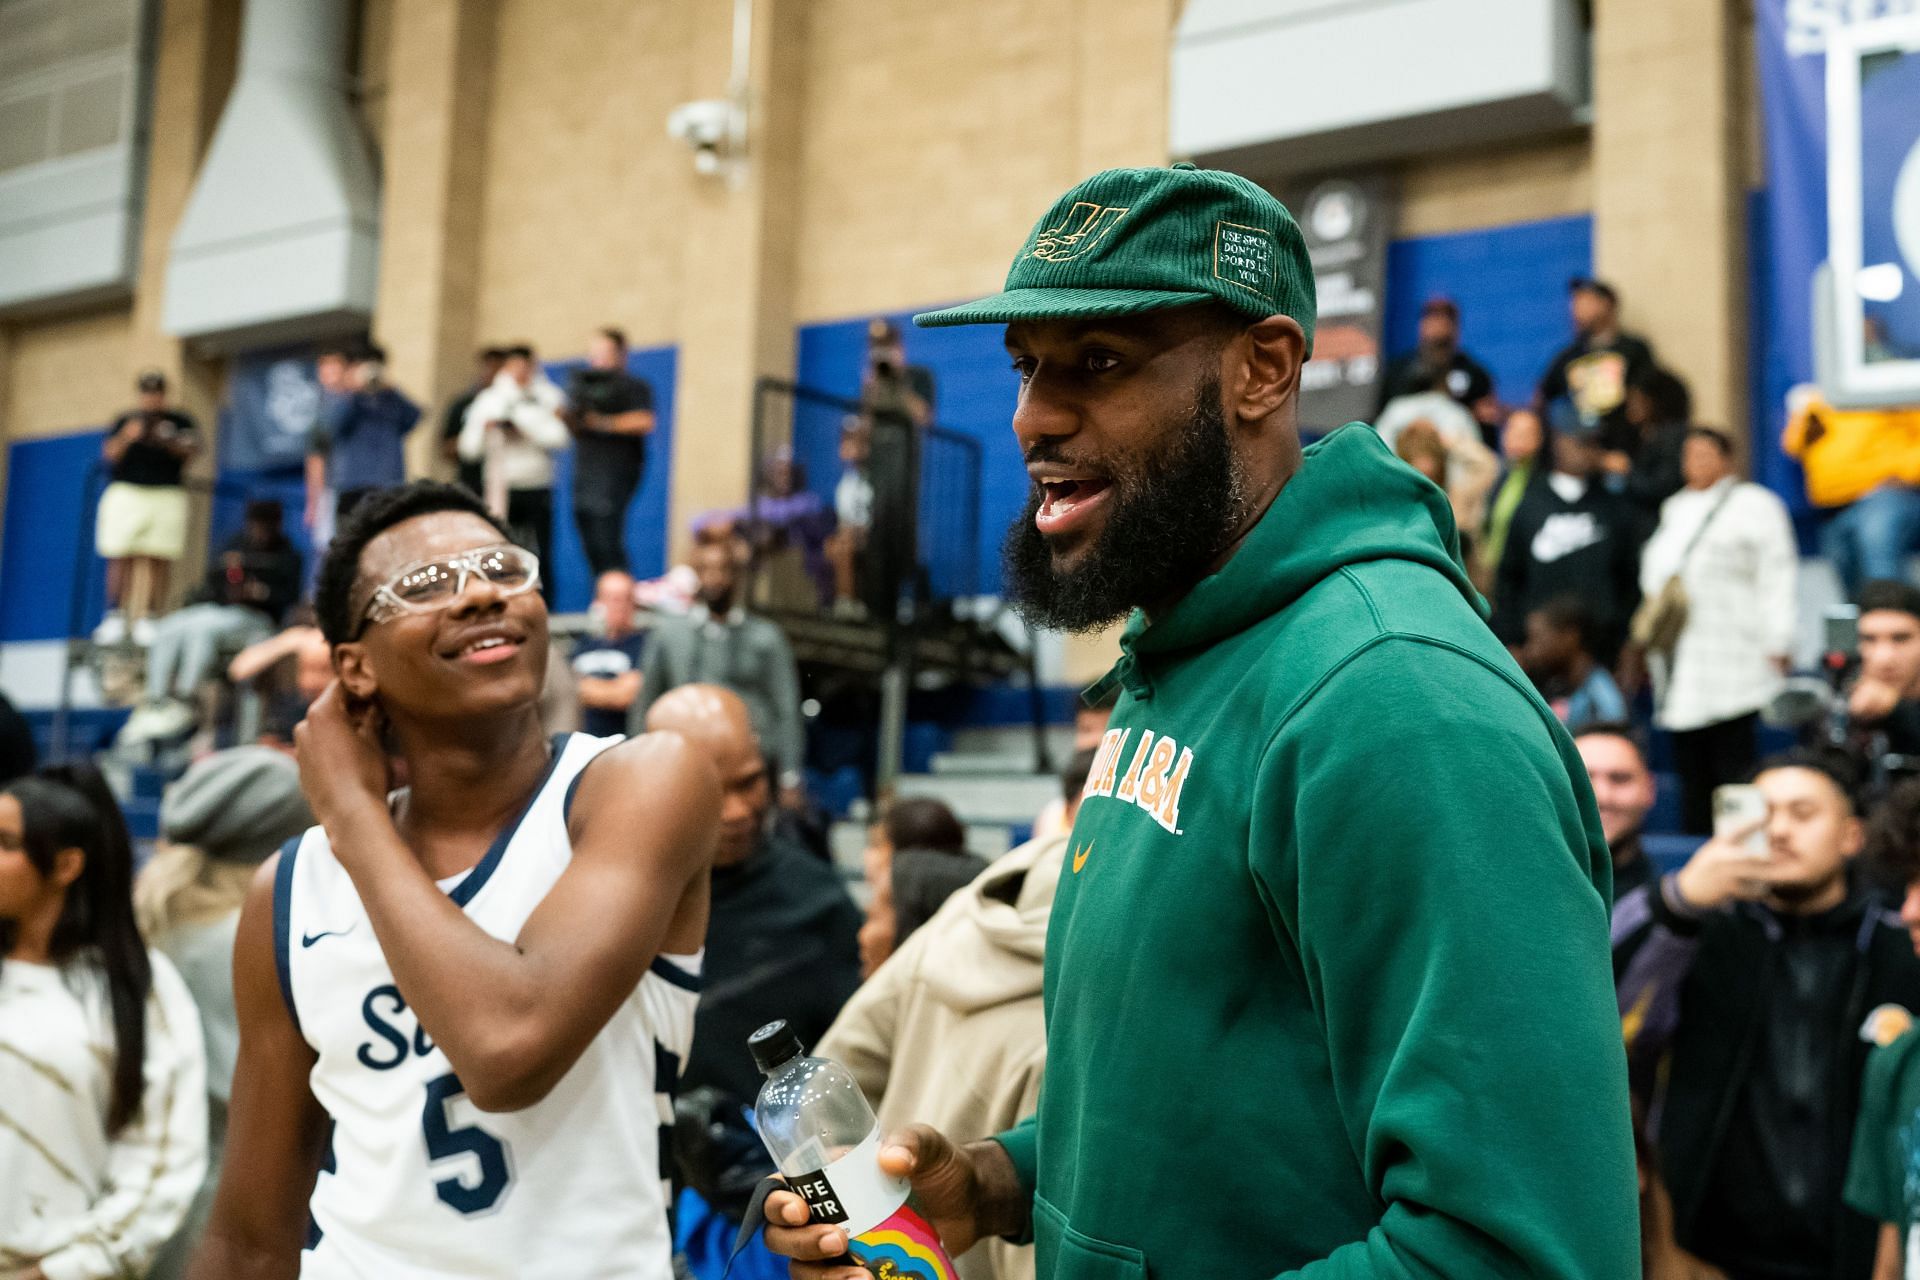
(342, 760)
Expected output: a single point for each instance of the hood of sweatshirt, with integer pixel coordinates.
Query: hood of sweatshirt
(991, 936)
(1351, 501)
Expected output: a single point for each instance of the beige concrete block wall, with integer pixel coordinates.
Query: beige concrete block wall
(1526, 182)
(936, 134)
(586, 201)
(69, 374)
(1672, 123)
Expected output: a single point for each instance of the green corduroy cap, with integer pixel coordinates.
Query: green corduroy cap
(1131, 240)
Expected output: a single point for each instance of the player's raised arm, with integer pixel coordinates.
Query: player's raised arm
(275, 1127)
(644, 837)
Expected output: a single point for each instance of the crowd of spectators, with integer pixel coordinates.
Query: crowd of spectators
(1765, 977)
(1765, 981)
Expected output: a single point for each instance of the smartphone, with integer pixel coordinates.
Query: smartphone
(1842, 629)
(1736, 808)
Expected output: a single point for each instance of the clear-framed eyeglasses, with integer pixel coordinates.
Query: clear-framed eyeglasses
(427, 585)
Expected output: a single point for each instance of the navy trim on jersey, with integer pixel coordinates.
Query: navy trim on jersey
(476, 880)
(566, 805)
(674, 975)
(283, 927)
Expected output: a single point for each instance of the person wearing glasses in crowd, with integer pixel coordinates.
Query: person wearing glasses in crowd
(475, 1125)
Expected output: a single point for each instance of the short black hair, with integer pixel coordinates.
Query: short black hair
(1886, 593)
(492, 355)
(335, 351)
(373, 351)
(518, 351)
(1840, 768)
(1721, 439)
(1616, 729)
(1668, 394)
(1893, 839)
(340, 567)
(618, 337)
(921, 822)
(1567, 613)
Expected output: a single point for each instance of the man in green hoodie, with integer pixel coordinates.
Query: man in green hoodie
(1328, 988)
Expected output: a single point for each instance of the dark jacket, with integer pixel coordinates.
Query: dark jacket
(260, 576)
(1656, 475)
(782, 942)
(1695, 996)
(1467, 381)
(1588, 548)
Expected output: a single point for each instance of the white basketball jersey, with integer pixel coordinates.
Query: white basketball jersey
(419, 1183)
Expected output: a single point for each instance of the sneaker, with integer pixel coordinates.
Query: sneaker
(143, 632)
(169, 719)
(112, 628)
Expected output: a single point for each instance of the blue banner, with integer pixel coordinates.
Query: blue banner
(273, 401)
(1793, 89)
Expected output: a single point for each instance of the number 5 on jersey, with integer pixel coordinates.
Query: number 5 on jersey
(445, 1142)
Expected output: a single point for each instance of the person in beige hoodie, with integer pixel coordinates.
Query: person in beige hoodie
(949, 1031)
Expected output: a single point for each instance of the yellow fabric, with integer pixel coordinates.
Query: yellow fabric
(1860, 450)
(141, 520)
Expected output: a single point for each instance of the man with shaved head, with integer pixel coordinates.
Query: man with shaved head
(782, 934)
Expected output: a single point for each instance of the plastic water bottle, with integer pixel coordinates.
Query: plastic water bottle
(823, 1136)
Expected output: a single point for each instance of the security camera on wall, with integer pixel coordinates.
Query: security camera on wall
(712, 128)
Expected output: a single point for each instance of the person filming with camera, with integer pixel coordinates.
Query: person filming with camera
(1884, 702)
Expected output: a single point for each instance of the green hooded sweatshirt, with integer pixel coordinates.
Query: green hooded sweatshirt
(1328, 987)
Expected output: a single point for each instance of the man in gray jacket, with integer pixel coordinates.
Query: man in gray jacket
(719, 642)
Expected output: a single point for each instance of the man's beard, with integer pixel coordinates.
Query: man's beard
(1171, 512)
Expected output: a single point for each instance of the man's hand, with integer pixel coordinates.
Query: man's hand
(342, 764)
(1724, 871)
(1872, 700)
(965, 1192)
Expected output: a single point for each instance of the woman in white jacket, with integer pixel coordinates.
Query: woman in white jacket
(1731, 543)
(513, 428)
(103, 1109)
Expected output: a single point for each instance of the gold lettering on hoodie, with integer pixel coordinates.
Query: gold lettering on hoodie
(1154, 779)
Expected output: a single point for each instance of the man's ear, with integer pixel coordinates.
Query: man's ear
(1270, 353)
(354, 666)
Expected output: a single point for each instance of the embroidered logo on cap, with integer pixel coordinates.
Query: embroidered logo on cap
(1244, 255)
(1085, 225)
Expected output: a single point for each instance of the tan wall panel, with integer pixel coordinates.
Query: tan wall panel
(936, 134)
(585, 206)
(1526, 183)
(70, 374)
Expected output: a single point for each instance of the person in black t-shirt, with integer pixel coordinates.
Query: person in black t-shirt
(140, 528)
(611, 413)
(1439, 352)
(489, 362)
(1596, 368)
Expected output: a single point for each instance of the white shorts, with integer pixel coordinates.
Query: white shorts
(141, 520)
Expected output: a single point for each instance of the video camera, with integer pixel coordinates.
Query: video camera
(1816, 707)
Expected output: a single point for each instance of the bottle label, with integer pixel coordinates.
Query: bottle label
(852, 1189)
(885, 1235)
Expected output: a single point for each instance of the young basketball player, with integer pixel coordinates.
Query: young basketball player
(462, 1005)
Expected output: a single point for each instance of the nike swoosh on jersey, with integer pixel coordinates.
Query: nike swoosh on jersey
(308, 939)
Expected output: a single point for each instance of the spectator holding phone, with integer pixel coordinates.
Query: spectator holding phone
(1754, 975)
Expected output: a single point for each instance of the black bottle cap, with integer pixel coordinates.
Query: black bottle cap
(773, 1046)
